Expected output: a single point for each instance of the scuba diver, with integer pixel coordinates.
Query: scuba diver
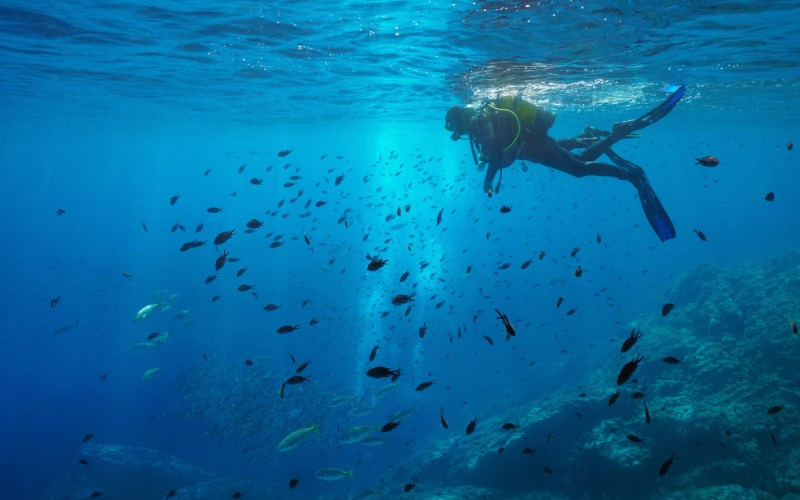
(508, 129)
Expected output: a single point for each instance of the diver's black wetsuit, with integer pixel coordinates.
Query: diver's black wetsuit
(500, 140)
(492, 133)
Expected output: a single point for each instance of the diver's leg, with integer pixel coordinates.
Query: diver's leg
(548, 152)
(622, 129)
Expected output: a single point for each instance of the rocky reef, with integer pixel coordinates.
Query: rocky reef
(727, 410)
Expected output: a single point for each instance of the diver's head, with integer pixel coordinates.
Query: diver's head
(457, 121)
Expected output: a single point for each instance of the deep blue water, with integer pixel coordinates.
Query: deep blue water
(109, 109)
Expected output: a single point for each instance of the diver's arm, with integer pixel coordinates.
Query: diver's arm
(491, 171)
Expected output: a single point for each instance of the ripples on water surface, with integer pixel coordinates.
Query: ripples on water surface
(260, 61)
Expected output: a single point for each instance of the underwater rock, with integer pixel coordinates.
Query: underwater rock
(126, 472)
(739, 358)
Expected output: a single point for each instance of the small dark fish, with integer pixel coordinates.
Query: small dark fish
(256, 182)
(666, 308)
(271, 307)
(630, 341)
(287, 329)
(152, 336)
(671, 360)
(254, 224)
(578, 272)
(144, 226)
(293, 482)
(174, 199)
(382, 372)
(547, 470)
(505, 209)
(320, 204)
(613, 398)
(572, 311)
(207, 172)
(241, 271)
(789, 146)
(215, 298)
(248, 362)
(170, 494)
(213, 210)
(666, 465)
(471, 426)
(83, 462)
(126, 274)
(404, 277)
(578, 415)
(598, 238)
(707, 161)
(338, 180)
(635, 439)
(509, 426)
(296, 379)
(245, 288)
(425, 385)
(376, 264)
(628, 370)
(192, 244)
(542, 253)
(241, 168)
(637, 395)
(221, 260)
(87, 437)
(574, 251)
(774, 439)
(390, 426)
(423, 330)
(559, 302)
(501, 449)
(409, 486)
(402, 298)
(373, 352)
(699, 234)
(223, 237)
(235, 495)
(198, 228)
(302, 366)
(769, 196)
(793, 326)
(442, 419)
(506, 323)
(439, 217)
(96, 494)
(284, 152)
(646, 412)
(276, 244)
(528, 451)
(774, 410)
(526, 264)
(60, 211)
(55, 301)
(488, 339)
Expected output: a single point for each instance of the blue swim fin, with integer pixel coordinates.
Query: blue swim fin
(653, 209)
(659, 111)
